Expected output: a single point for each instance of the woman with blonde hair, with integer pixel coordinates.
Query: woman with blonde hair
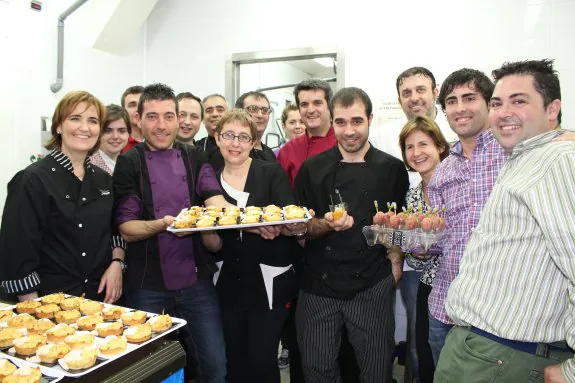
(56, 228)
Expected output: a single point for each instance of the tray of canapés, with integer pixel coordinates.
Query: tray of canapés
(72, 336)
(198, 218)
(412, 229)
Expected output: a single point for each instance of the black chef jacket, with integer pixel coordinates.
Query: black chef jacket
(341, 264)
(56, 229)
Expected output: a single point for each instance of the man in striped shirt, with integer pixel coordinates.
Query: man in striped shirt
(518, 270)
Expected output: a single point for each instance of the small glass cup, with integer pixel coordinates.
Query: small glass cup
(337, 210)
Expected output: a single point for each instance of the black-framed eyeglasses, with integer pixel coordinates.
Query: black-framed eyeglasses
(254, 109)
(242, 137)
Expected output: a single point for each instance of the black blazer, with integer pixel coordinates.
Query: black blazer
(240, 282)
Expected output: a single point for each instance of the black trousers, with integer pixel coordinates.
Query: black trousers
(369, 321)
(252, 337)
(424, 355)
(347, 362)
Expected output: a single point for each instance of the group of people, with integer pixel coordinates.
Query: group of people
(492, 304)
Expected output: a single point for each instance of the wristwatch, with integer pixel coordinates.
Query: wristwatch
(124, 266)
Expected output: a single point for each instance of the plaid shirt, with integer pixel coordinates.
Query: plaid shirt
(462, 186)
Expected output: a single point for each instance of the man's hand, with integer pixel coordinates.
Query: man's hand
(112, 282)
(344, 223)
(168, 220)
(568, 135)
(553, 374)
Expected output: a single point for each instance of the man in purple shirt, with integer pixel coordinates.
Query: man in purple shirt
(461, 183)
(166, 272)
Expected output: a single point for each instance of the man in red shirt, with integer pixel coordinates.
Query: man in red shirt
(130, 101)
(312, 98)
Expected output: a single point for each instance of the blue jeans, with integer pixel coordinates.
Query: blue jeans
(437, 333)
(408, 289)
(199, 306)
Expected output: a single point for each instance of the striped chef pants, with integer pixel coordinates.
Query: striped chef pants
(369, 321)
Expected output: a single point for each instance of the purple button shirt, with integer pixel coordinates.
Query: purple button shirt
(463, 186)
(169, 185)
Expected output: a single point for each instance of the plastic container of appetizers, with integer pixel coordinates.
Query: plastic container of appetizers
(415, 241)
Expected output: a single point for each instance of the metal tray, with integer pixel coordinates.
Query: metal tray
(57, 371)
(242, 225)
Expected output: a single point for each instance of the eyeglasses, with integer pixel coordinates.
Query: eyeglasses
(254, 109)
(242, 137)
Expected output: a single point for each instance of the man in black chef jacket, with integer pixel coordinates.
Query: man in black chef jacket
(346, 282)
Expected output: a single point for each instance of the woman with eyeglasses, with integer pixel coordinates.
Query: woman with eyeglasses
(256, 279)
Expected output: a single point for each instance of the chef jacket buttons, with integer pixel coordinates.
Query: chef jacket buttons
(357, 275)
(83, 254)
(84, 198)
(53, 169)
(328, 248)
(324, 276)
(365, 192)
(86, 281)
(67, 196)
(79, 225)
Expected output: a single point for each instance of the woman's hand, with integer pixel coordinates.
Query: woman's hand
(266, 232)
(395, 255)
(112, 282)
(423, 257)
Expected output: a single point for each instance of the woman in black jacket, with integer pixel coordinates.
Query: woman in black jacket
(56, 226)
(257, 279)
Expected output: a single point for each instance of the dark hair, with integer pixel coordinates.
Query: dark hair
(136, 89)
(289, 108)
(545, 78)
(255, 94)
(65, 107)
(313, 84)
(190, 96)
(116, 112)
(214, 95)
(157, 92)
(471, 77)
(427, 126)
(347, 96)
(414, 71)
(242, 117)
